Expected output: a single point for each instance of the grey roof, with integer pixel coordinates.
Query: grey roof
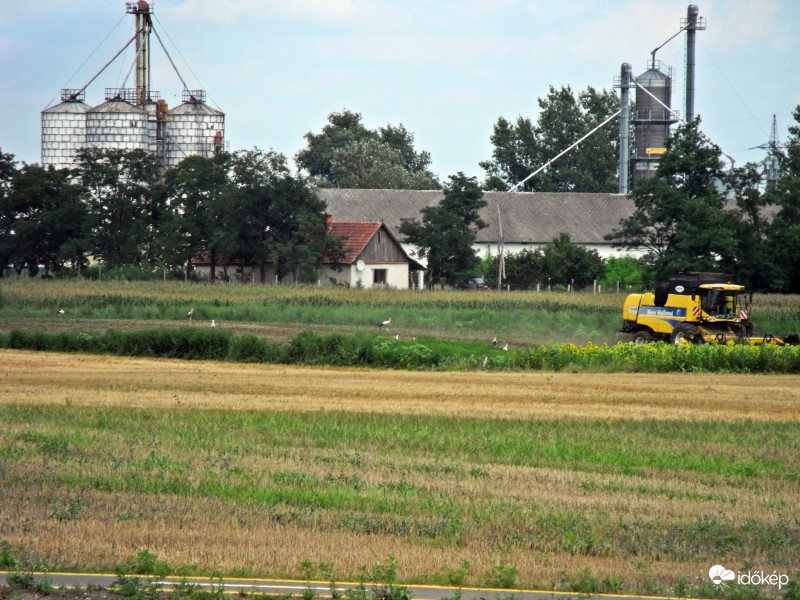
(69, 106)
(195, 108)
(116, 105)
(529, 218)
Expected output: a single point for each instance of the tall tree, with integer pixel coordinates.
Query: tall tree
(347, 154)
(680, 217)
(342, 129)
(253, 211)
(564, 118)
(446, 233)
(784, 239)
(193, 210)
(373, 164)
(124, 208)
(755, 264)
(8, 168)
(46, 219)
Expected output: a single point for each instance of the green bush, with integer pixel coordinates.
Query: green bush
(254, 349)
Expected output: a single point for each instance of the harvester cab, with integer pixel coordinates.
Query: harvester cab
(693, 308)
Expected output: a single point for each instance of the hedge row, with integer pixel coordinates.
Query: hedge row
(360, 350)
(307, 348)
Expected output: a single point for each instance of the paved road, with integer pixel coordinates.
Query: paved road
(321, 589)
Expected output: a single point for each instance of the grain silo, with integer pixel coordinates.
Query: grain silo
(132, 118)
(652, 117)
(64, 129)
(117, 124)
(193, 129)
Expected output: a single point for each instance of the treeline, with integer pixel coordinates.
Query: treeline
(247, 207)
(122, 209)
(696, 216)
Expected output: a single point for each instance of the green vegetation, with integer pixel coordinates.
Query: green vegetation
(524, 318)
(360, 350)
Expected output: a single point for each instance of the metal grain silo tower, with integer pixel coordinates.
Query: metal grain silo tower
(193, 129)
(117, 124)
(132, 118)
(652, 118)
(64, 129)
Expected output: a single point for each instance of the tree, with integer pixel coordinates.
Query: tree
(247, 208)
(755, 263)
(447, 232)
(8, 168)
(560, 262)
(194, 214)
(680, 217)
(124, 206)
(341, 130)
(784, 231)
(373, 164)
(45, 220)
(347, 154)
(521, 148)
(623, 271)
(523, 270)
(567, 263)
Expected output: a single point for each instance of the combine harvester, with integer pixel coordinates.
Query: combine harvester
(695, 308)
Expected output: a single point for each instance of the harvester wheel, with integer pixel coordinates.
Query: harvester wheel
(642, 337)
(686, 333)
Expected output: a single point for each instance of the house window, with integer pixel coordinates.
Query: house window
(379, 277)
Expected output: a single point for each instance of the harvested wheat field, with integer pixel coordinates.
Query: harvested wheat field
(638, 483)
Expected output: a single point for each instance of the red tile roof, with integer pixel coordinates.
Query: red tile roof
(355, 235)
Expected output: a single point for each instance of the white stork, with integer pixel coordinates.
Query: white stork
(385, 323)
(190, 314)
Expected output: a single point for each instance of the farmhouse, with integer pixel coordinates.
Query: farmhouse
(373, 259)
(517, 219)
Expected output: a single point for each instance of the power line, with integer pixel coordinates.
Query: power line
(733, 89)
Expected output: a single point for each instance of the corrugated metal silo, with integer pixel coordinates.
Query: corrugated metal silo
(652, 119)
(193, 129)
(117, 124)
(64, 129)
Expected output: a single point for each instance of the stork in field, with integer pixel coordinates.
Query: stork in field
(213, 323)
(190, 314)
(385, 323)
(494, 341)
(60, 312)
(505, 348)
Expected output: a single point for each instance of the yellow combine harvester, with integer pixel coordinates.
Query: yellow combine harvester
(694, 308)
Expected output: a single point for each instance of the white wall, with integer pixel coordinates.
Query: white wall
(604, 250)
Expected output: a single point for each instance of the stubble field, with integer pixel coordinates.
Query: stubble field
(604, 482)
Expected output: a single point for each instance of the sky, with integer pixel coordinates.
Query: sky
(445, 69)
